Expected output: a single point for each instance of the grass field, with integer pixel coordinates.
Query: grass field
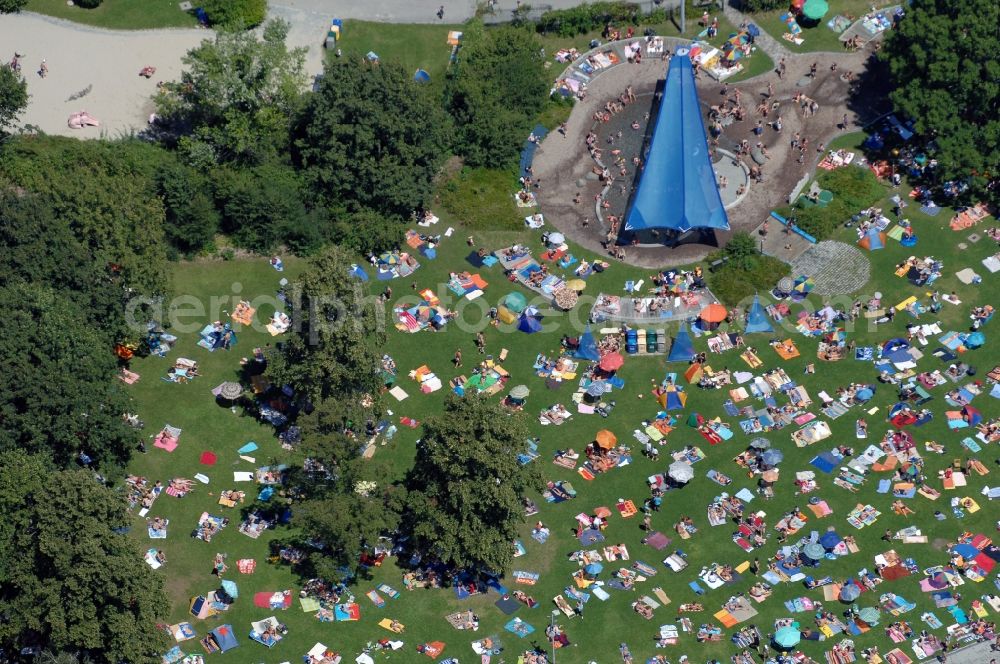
(209, 427)
(120, 14)
(818, 37)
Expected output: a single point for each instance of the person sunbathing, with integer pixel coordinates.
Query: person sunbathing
(643, 610)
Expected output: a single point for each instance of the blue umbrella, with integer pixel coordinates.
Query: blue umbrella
(864, 394)
(594, 569)
(850, 592)
(830, 539)
(814, 551)
(772, 457)
(787, 637)
(975, 340)
(230, 588)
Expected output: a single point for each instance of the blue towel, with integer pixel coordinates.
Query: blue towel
(696, 588)
(884, 486)
(248, 448)
(823, 463)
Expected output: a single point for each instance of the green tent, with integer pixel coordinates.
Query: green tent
(815, 9)
(515, 301)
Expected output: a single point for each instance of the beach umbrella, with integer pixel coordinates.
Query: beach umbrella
(974, 340)
(576, 284)
(593, 569)
(612, 362)
(606, 439)
(713, 313)
(556, 239)
(566, 299)
(830, 539)
(389, 258)
(770, 475)
(364, 658)
(814, 551)
(520, 392)
(760, 443)
(230, 390)
(773, 457)
(598, 388)
(864, 394)
(787, 637)
(680, 471)
(230, 588)
(815, 9)
(870, 615)
(850, 592)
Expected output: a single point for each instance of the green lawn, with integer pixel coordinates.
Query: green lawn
(415, 46)
(120, 14)
(818, 37)
(209, 427)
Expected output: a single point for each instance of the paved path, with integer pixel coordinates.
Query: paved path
(837, 268)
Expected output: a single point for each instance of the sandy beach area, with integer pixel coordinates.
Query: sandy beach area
(107, 61)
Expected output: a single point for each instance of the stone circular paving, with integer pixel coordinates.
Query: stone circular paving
(837, 268)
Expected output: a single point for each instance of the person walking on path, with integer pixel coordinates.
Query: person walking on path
(440, 13)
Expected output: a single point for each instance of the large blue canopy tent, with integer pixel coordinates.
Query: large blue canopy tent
(587, 350)
(683, 348)
(757, 320)
(677, 191)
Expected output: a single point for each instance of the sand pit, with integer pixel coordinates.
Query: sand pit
(108, 61)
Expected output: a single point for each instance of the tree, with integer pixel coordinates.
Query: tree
(466, 486)
(191, 218)
(12, 6)
(235, 14)
(106, 193)
(38, 247)
(69, 578)
(62, 398)
(741, 250)
(946, 70)
(370, 137)
(495, 91)
(13, 93)
(262, 207)
(334, 348)
(234, 100)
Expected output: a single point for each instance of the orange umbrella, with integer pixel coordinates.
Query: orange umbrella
(713, 313)
(612, 361)
(602, 512)
(605, 439)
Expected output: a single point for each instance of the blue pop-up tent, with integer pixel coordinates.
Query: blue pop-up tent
(587, 349)
(224, 637)
(677, 191)
(683, 348)
(757, 320)
(529, 324)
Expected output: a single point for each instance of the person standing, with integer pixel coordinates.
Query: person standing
(43, 69)
(755, 567)
(457, 360)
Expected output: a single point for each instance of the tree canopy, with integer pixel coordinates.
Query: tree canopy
(64, 399)
(12, 6)
(495, 91)
(235, 97)
(13, 93)
(105, 192)
(68, 578)
(946, 71)
(466, 486)
(334, 348)
(370, 137)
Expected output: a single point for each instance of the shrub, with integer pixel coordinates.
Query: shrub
(763, 5)
(734, 285)
(368, 232)
(480, 198)
(88, 4)
(587, 18)
(854, 189)
(235, 13)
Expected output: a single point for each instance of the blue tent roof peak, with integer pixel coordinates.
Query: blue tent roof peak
(677, 189)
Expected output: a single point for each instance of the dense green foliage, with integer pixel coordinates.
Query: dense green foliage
(370, 138)
(234, 97)
(465, 488)
(946, 71)
(191, 217)
(745, 272)
(105, 193)
(762, 5)
(481, 198)
(335, 345)
(13, 96)
(235, 14)
(494, 93)
(588, 17)
(12, 6)
(88, 4)
(367, 232)
(854, 189)
(68, 578)
(64, 400)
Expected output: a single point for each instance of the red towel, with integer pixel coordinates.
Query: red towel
(208, 458)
